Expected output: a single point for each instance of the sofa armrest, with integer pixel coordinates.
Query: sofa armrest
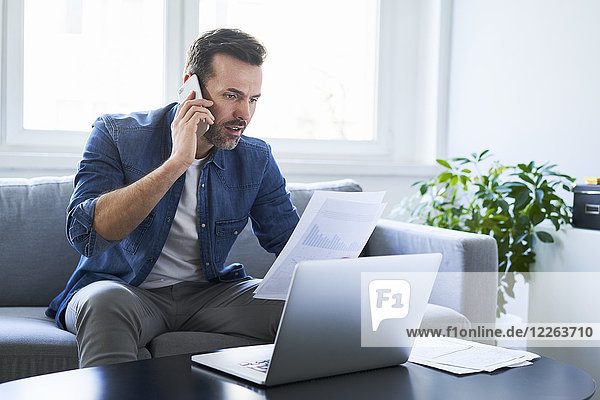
(467, 278)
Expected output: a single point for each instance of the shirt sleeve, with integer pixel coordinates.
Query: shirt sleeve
(99, 172)
(273, 215)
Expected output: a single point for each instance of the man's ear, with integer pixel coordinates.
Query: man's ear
(186, 77)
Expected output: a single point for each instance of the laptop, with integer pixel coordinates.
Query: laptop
(340, 316)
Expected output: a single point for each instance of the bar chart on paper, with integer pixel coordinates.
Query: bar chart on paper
(317, 239)
(338, 228)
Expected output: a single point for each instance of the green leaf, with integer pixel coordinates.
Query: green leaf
(462, 160)
(555, 222)
(545, 237)
(522, 199)
(445, 176)
(443, 163)
(526, 178)
(523, 220)
(500, 303)
(537, 218)
(510, 289)
(464, 179)
(535, 214)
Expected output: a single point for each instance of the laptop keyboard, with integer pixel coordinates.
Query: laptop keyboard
(260, 366)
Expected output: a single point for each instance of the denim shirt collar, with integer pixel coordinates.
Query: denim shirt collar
(218, 158)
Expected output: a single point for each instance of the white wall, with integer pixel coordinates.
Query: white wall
(525, 82)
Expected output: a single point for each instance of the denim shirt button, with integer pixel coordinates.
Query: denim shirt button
(168, 219)
(203, 225)
(207, 264)
(151, 259)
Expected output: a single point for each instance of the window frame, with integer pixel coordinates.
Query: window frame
(412, 88)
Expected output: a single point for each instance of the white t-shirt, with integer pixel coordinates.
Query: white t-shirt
(179, 260)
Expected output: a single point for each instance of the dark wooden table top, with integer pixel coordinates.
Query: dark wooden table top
(177, 378)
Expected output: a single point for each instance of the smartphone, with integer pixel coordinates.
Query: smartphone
(192, 83)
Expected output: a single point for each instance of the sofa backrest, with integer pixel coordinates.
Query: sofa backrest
(36, 259)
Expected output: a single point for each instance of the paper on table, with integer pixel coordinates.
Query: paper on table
(463, 357)
(480, 358)
(333, 225)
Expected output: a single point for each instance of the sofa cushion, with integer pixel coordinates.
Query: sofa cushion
(31, 344)
(247, 250)
(36, 257)
(302, 192)
(440, 317)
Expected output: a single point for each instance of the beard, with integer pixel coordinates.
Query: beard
(218, 135)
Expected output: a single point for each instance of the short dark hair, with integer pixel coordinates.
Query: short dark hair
(232, 42)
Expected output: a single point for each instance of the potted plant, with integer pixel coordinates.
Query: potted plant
(507, 202)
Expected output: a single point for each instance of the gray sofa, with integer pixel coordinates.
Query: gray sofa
(36, 261)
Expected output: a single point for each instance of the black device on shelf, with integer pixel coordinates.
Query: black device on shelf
(586, 206)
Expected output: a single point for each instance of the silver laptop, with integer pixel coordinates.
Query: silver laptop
(340, 316)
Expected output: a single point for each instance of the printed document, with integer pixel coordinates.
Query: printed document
(334, 225)
(465, 357)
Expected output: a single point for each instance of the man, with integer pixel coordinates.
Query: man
(157, 207)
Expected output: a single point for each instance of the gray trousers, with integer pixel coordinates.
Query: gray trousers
(112, 320)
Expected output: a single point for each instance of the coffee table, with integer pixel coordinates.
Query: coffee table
(177, 378)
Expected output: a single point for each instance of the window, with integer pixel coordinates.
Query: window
(74, 60)
(343, 80)
(320, 75)
(84, 58)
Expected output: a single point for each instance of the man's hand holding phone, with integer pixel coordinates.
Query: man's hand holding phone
(192, 84)
(191, 121)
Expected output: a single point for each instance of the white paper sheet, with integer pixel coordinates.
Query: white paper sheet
(465, 357)
(334, 225)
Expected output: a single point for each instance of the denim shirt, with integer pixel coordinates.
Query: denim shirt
(234, 185)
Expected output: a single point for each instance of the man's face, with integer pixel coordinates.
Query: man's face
(234, 89)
